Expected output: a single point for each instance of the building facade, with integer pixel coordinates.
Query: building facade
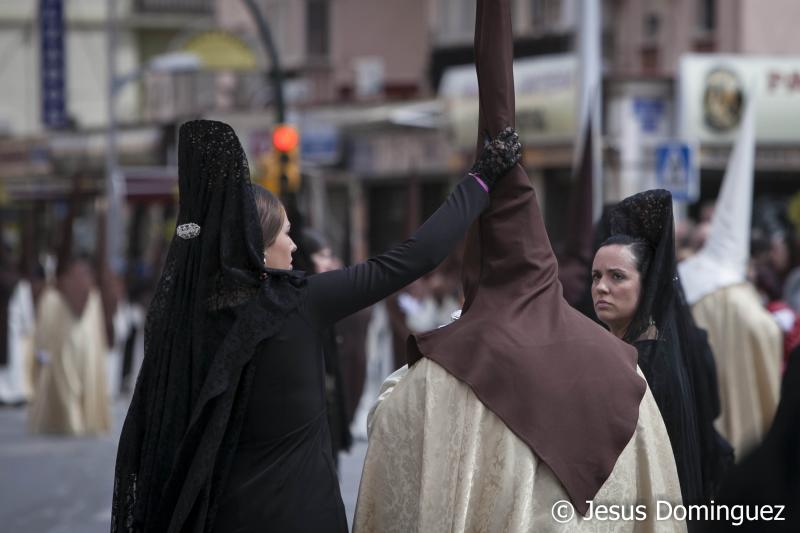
(661, 58)
(411, 64)
(384, 95)
(55, 112)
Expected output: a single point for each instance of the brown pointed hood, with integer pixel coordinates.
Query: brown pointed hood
(560, 382)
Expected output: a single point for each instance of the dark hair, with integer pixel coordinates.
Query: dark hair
(270, 214)
(66, 264)
(760, 242)
(641, 249)
(312, 241)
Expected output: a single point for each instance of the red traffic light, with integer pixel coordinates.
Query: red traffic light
(285, 138)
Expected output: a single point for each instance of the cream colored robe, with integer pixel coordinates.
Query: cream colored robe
(748, 350)
(71, 392)
(440, 461)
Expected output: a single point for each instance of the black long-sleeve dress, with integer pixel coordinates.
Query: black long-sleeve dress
(283, 477)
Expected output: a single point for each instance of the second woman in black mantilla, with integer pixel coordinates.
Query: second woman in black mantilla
(637, 294)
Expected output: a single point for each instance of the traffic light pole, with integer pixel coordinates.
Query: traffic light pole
(115, 182)
(276, 75)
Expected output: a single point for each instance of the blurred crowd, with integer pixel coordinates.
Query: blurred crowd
(73, 335)
(774, 266)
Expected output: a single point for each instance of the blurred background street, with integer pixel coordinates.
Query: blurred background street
(361, 116)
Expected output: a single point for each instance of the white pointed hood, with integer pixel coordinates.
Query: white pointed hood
(723, 259)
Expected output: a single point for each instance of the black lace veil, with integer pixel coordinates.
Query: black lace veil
(648, 216)
(677, 363)
(215, 302)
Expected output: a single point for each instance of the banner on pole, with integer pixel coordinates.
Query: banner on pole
(53, 72)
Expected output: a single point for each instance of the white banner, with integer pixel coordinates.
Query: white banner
(546, 97)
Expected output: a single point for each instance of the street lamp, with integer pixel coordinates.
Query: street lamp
(115, 183)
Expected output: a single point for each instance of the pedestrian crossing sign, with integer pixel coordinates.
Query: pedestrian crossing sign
(676, 170)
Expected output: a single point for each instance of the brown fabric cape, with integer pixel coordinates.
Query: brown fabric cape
(560, 382)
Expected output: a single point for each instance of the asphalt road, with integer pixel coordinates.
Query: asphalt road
(63, 484)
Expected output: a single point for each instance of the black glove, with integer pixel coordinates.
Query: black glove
(497, 158)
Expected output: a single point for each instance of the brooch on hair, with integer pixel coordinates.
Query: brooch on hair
(188, 231)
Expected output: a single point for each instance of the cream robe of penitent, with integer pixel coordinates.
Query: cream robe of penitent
(440, 461)
(748, 350)
(746, 341)
(71, 390)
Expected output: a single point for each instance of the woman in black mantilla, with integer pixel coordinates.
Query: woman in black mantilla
(637, 294)
(227, 428)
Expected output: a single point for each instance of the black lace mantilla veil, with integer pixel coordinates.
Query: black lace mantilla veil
(678, 363)
(215, 302)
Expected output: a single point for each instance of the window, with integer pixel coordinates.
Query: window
(545, 13)
(456, 21)
(537, 13)
(706, 15)
(652, 24)
(650, 59)
(317, 28)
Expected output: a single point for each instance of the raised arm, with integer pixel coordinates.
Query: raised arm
(334, 295)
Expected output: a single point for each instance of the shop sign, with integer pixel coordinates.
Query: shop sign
(650, 113)
(53, 73)
(400, 154)
(319, 142)
(24, 158)
(715, 88)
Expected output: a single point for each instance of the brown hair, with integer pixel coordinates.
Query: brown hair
(270, 214)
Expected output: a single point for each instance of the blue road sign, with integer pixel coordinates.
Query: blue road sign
(320, 143)
(676, 170)
(650, 112)
(53, 73)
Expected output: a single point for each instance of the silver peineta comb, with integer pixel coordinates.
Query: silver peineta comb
(188, 231)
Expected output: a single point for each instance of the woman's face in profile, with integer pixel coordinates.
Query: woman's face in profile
(616, 286)
(279, 254)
